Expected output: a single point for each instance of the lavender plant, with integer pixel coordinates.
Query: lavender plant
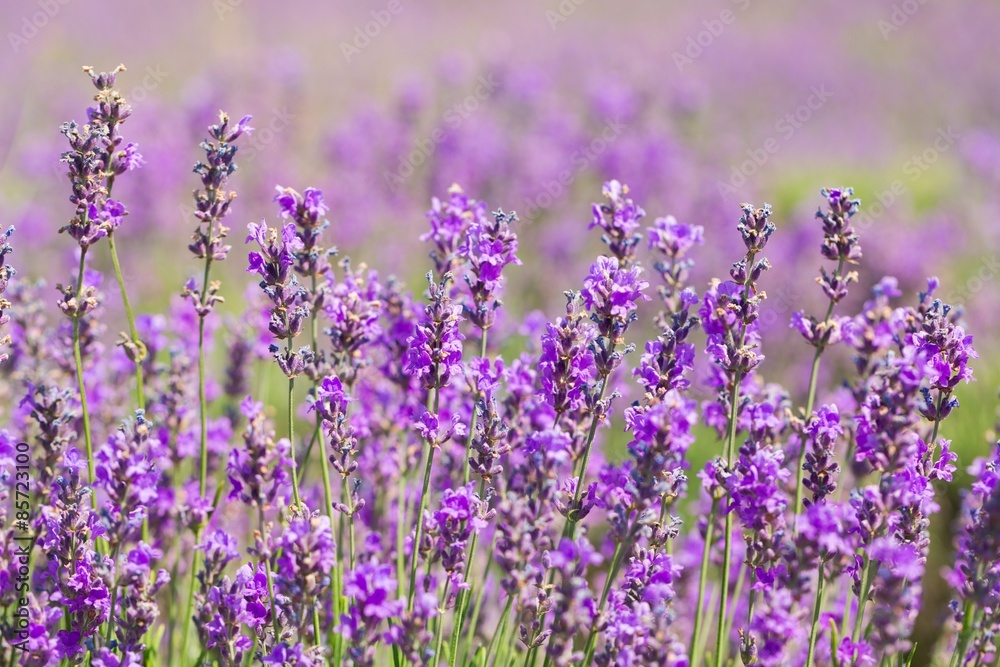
(478, 500)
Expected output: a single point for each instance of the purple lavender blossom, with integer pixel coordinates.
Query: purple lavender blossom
(352, 307)
(612, 294)
(566, 365)
(896, 599)
(824, 432)
(619, 219)
(639, 628)
(450, 221)
(448, 528)
(273, 263)
(976, 574)
(574, 609)
(302, 572)
(137, 607)
(126, 471)
(372, 591)
(488, 249)
(258, 470)
(435, 348)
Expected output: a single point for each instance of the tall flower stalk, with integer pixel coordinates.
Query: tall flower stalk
(308, 210)
(109, 114)
(841, 245)
(434, 355)
(729, 317)
(212, 205)
(489, 247)
(94, 215)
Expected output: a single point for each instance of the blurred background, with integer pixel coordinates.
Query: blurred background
(531, 106)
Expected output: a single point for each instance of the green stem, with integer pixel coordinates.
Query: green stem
(867, 570)
(202, 400)
(429, 451)
(501, 628)
(309, 447)
(188, 618)
(734, 410)
(328, 500)
(616, 561)
(811, 399)
(817, 609)
(473, 420)
(140, 349)
(349, 501)
(203, 454)
(595, 422)
(968, 625)
(291, 437)
(463, 594)
(737, 592)
(78, 359)
(267, 572)
(721, 639)
(474, 621)
(439, 632)
(697, 647)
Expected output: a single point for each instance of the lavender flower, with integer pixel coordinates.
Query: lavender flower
(307, 210)
(639, 628)
(302, 575)
(450, 222)
(574, 608)
(840, 241)
(976, 574)
(258, 470)
(212, 205)
(285, 655)
(566, 365)
(896, 598)
(612, 294)
(619, 219)
(372, 590)
(78, 576)
(435, 348)
(352, 308)
(824, 431)
(488, 249)
(224, 608)
(137, 603)
(447, 530)
(127, 473)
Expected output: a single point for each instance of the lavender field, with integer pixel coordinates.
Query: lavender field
(534, 334)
